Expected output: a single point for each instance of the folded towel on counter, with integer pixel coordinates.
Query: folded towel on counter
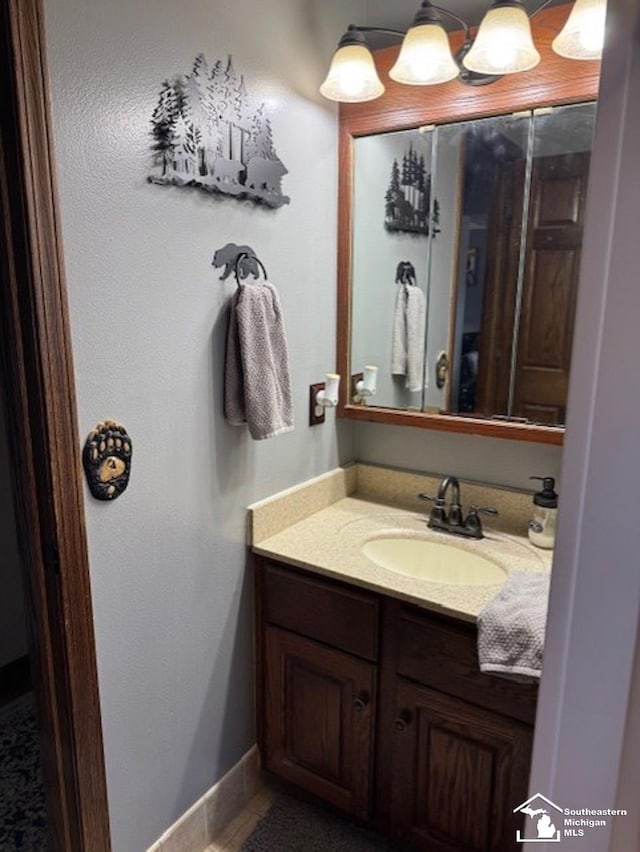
(511, 628)
(257, 387)
(408, 343)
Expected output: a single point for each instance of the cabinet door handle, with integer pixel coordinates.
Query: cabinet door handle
(402, 720)
(360, 703)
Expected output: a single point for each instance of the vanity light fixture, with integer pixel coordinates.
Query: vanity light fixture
(503, 45)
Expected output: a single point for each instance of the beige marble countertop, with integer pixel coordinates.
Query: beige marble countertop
(329, 542)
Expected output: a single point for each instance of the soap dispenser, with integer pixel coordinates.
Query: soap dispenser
(542, 526)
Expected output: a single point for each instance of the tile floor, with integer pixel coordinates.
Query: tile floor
(240, 829)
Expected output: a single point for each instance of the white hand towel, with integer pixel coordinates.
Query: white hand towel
(257, 385)
(416, 317)
(511, 627)
(408, 339)
(399, 334)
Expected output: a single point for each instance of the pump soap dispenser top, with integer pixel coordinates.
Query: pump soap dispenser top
(542, 526)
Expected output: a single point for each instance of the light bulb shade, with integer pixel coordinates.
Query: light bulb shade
(503, 44)
(582, 37)
(352, 77)
(425, 57)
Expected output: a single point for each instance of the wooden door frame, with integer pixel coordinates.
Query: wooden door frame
(501, 280)
(37, 373)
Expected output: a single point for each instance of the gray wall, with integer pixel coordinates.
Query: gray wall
(171, 592)
(493, 460)
(13, 629)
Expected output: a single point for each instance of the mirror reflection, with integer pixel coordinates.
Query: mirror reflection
(465, 259)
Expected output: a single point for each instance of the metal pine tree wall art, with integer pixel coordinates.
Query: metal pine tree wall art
(209, 133)
(408, 198)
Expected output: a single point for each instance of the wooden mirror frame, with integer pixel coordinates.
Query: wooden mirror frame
(553, 82)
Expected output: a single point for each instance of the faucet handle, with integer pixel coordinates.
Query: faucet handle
(472, 522)
(483, 510)
(438, 514)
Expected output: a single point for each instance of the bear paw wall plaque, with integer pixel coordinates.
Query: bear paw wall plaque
(107, 460)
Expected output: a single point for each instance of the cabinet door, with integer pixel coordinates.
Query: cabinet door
(318, 719)
(457, 773)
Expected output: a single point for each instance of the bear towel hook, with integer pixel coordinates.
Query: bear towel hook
(241, 260)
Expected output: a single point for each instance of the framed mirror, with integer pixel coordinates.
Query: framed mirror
(461, 213)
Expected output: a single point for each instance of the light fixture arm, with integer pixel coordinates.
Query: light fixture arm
(540, 8)
(422, 13)
(458, 20)
(353, 28)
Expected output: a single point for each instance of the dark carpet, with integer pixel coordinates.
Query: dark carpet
(294, 826)
(23, 823)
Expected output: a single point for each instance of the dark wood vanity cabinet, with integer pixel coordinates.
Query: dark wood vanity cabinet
(454, 761)
(319, 719)
(317, 675)
(379, 708)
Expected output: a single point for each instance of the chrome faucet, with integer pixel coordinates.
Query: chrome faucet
(451, 520)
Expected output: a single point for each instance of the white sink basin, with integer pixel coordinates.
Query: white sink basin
(434, 561)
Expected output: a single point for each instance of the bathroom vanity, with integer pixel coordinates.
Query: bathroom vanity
(379, 708)
(369, 691)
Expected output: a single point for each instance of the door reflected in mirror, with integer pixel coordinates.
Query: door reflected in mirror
(466, 241)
